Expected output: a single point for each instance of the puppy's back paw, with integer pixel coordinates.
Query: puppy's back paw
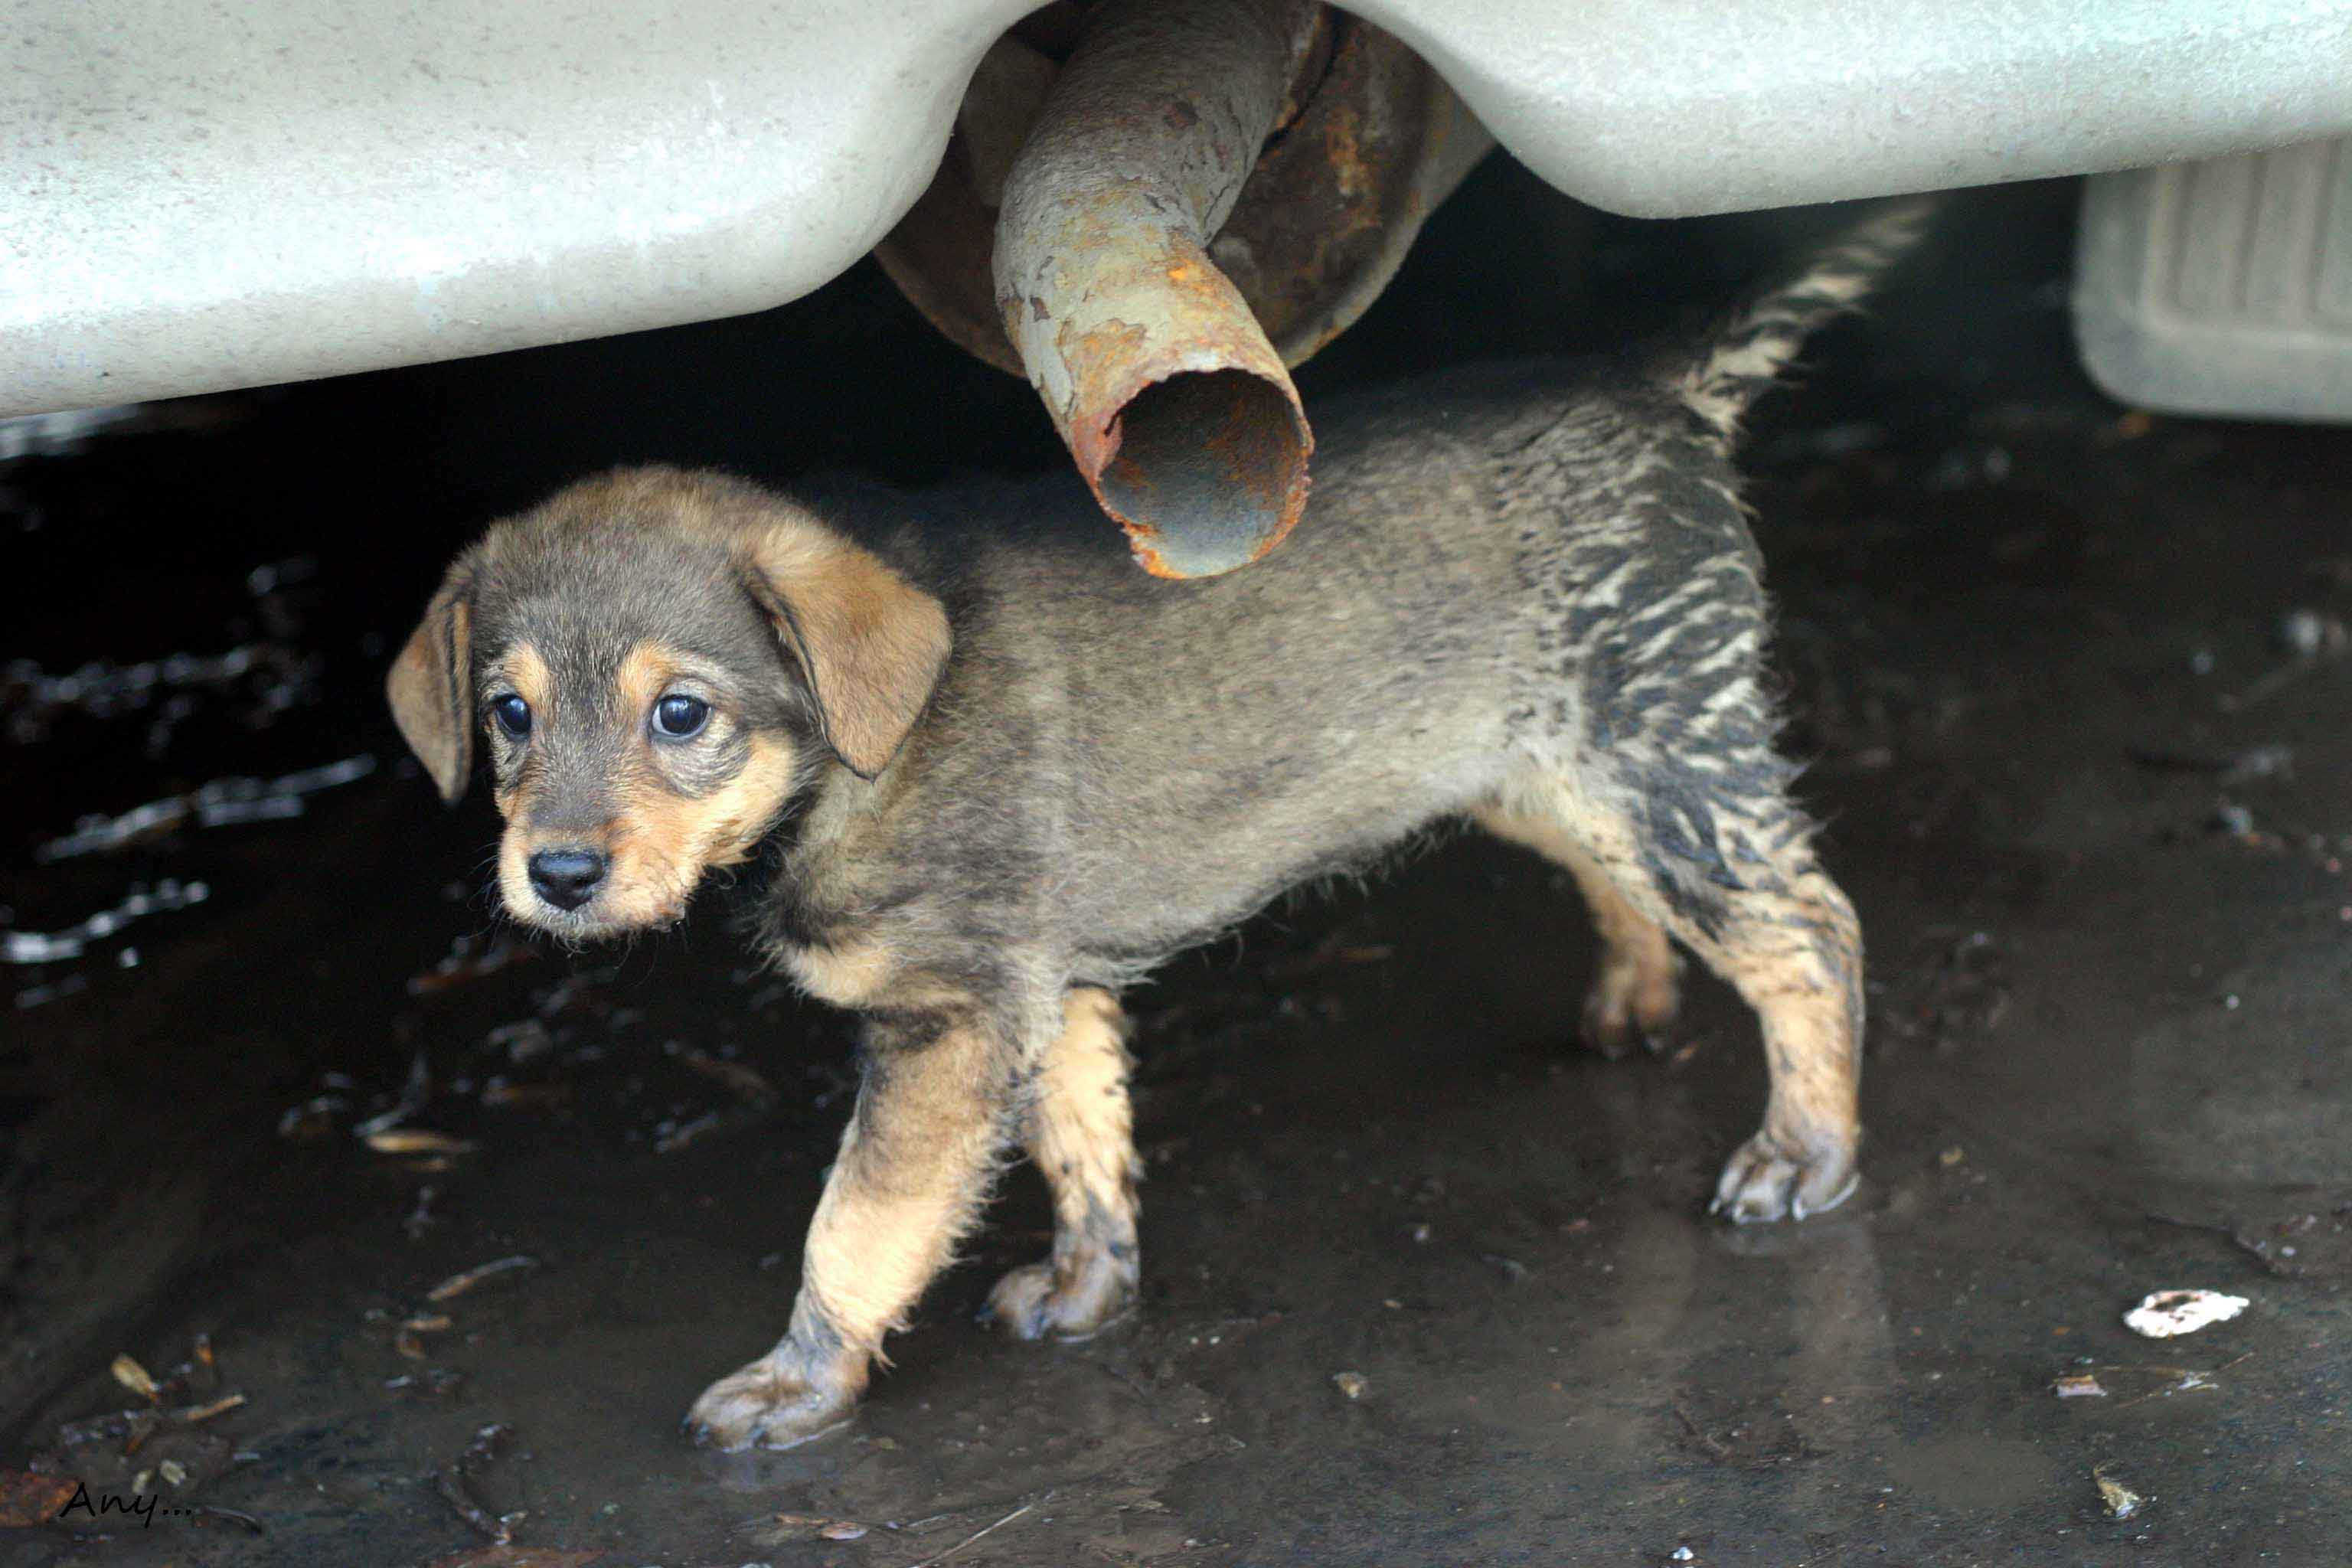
(1030, 1303)
(1766, 1180)
(758, 1406)
(1630, 1005)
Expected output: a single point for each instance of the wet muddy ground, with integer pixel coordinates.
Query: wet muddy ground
(1424, 1283)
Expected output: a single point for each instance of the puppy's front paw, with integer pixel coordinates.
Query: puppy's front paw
(1768, 1180)
(762, 1405)
(1030, 1303)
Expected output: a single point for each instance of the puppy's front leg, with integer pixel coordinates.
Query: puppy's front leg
(912, 1170)
(1081, 1134)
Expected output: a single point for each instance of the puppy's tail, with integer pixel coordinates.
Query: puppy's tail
(1742, 359)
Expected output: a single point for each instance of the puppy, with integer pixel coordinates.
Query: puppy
(1001, 773)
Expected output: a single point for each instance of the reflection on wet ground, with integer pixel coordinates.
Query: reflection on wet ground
(318, 1178)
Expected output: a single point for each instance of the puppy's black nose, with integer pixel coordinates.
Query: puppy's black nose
(567, 877)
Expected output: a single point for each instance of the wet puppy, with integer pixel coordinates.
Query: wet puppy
(1002, 773)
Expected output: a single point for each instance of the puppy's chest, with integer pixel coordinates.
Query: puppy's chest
(851, 973)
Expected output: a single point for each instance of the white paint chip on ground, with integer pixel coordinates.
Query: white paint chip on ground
(2167, 1314)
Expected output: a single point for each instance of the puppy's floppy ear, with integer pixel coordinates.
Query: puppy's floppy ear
(431, 685)
(872, 643)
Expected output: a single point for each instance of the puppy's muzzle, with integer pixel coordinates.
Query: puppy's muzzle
(568, 878)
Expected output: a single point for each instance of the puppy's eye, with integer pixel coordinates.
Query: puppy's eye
(679, 717)
(513, 715)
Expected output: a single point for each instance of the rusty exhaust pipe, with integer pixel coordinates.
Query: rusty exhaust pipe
(1176, 406)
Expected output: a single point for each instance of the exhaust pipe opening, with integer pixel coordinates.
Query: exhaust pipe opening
(1209, 471)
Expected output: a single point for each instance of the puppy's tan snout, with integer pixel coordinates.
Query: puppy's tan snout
(569, 877)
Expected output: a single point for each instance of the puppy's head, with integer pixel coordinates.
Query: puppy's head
(655, 663)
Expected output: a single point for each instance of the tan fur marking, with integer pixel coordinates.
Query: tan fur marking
(645, 674)
(661, 843)
(848, 976)
(1809, 1015)
(527, 672)
(1083, 1135)
(514, 878)
(906, 1186)
(524, 671)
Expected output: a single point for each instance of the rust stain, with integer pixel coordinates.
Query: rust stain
(1343, 146)
(1149, 559)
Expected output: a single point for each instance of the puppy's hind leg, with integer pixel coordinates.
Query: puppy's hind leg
(1081, 1136)
(913, 1168)
(1638, 991)
(1733, 878)
(1792, 946)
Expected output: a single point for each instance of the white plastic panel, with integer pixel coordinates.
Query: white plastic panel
(2223, 286)
(199, 195)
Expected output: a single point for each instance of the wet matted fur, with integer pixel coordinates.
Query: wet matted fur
(1002, 773)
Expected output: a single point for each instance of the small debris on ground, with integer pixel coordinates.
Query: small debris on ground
(455, 1483)
(272, 674)
(2078, 1385)
(417, 1140)
(222, 803)
(433, 1382)
(1354, 1385)
(783, 1529)
(521, 1042)
(2271, 761)
(407, 1339)
(2231, 818)
(2309, 633)
(191, 1415)
(676, 1135)
(458, 1284)
(2176, 1379)
(990, 1530)
(2119, 1500)
(463, 963)
(416, 1094)
(134, 1377)
(168, 1437)
(27, 1499)
(2167, 1314)
(55, 947)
